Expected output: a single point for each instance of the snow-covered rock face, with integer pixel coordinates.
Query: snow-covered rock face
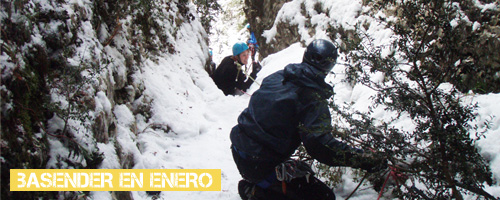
(302, 21)
(75, 85)
(141, 98)
(262, 16)
(279, 24)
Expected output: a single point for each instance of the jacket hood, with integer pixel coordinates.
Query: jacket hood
(305, 75)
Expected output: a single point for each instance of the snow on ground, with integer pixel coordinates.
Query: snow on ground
(196, 117)
(201, 138)
(227, 29)
(210, 115)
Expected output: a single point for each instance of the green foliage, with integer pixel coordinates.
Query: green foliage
(434, 46)
(22, 145)
(236, 11)
(332, 175)
(207, 9)
(351, 41)
(52, 73)
(71, 85)
(40, 69)
(461, 37)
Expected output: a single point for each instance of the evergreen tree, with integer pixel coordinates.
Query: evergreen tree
(435, 56)
(207, 9)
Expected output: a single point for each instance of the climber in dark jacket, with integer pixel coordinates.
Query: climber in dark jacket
(291, 108)
(230, 75)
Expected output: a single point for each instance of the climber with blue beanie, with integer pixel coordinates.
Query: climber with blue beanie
(230, 76)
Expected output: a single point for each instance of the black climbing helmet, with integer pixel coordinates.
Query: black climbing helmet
(321, 54)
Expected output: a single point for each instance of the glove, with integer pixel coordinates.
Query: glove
(378, 169)
(391, 177)
(256, 67)
(400, 169)
(378, 179)
(372, 163)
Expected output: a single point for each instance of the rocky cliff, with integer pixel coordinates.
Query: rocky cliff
(261, 15)
(68, 66)
(278, 24)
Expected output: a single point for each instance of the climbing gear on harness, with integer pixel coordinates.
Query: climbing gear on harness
(240, 68)
(291, 169)
(246, 189)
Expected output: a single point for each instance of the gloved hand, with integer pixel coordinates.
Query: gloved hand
(400, 170)
(372, 162)
(391, 177)
(256, 67)
(377, 168)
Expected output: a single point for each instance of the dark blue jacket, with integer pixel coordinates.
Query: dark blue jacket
(290, 108)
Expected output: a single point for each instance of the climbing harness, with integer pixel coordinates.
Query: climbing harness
(291, 169)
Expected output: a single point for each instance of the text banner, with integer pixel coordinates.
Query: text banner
(115, 180)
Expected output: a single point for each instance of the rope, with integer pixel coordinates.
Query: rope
(355, 189)
(246, 73)
(239, 66)
(253, 79)
(395, 175)
(243, 92)
(383, 186)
